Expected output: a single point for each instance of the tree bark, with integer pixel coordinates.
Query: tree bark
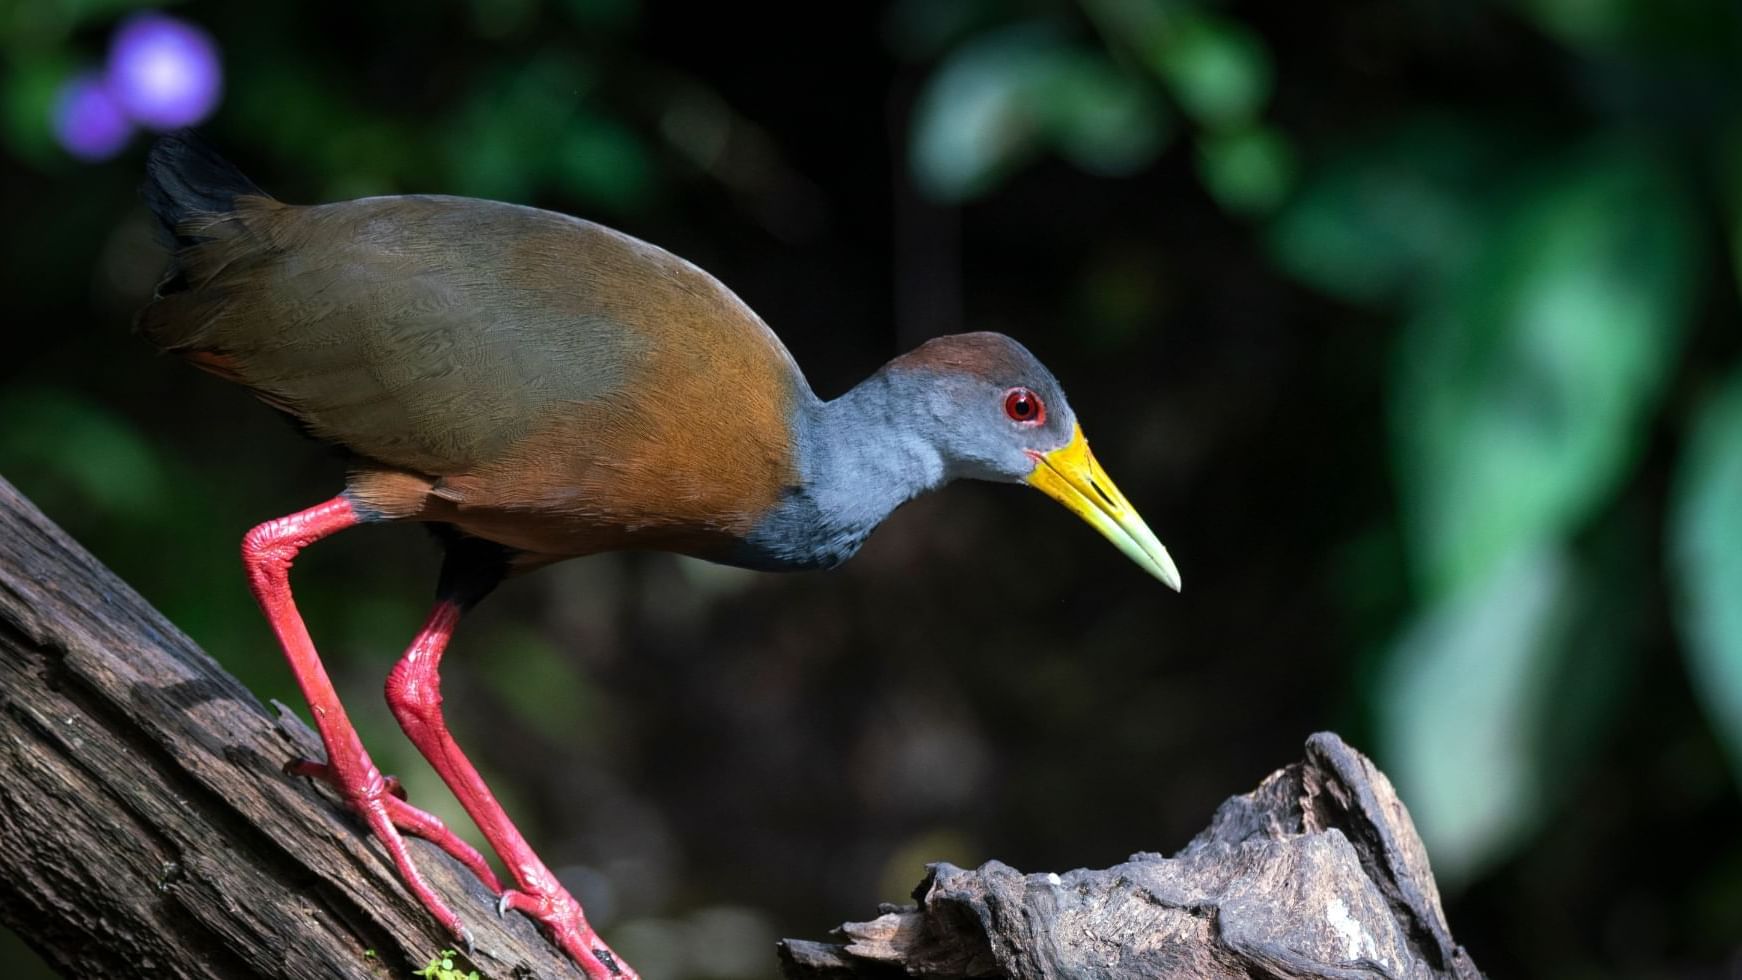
(1317, 873)
(146, 825)
(147, 828)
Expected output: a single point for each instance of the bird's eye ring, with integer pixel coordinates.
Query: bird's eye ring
(1024, 406)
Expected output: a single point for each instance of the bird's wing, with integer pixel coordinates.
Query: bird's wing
(431, 333)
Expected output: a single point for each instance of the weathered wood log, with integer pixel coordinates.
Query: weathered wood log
(146, 826)
(1317, 873)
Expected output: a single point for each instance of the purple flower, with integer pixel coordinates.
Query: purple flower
(164, 72)
(87, 121)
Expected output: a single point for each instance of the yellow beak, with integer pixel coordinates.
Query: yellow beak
(1071, 476)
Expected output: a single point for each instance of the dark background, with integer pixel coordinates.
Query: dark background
(1410, 326)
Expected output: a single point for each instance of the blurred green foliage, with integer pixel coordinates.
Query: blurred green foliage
(1004, 96)
(1412, 326)
(1544, 288)
(1705, 532)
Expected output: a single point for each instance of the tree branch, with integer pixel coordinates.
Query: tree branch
(145, 821)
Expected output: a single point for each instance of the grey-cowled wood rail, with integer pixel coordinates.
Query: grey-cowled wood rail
(537, 387)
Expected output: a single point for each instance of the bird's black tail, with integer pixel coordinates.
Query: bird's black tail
(187, 179)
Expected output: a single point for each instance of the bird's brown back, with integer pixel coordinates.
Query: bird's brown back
(530, 377)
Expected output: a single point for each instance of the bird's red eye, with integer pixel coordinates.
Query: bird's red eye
(1024, 406)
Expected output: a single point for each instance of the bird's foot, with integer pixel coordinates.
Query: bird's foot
(376, 809)
(562, 918)
(407, 818)
(324, 773)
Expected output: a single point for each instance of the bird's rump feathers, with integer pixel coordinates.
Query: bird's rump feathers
(184, 179)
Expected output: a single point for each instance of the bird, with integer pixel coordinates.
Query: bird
(535, 387)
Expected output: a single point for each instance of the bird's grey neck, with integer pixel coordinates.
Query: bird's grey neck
(870, 452)
(860, 457)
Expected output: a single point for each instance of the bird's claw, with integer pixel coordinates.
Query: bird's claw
(519, 901)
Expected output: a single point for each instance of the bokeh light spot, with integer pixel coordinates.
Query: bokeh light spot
(164, 72)
(88, 122)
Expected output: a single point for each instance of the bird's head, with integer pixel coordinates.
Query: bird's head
(998, 414)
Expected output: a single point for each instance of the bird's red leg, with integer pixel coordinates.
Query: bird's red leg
(414, 694)
(267, 551)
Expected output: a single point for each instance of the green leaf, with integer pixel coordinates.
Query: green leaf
(603, 162)
(1249, 170)
(1706, 561)
(320, 129)
(1525, 383)
(542, 687)
(1580, 22)
(1495, 702)
(997, 102)
(533, 124)
(1455, 706)
(1523, 388)
(1217, 69)
(1394, 212)
(1100, 118)
(973, 122)
(441, 967)
(28, 90)
(485, 156)
(67, 446)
